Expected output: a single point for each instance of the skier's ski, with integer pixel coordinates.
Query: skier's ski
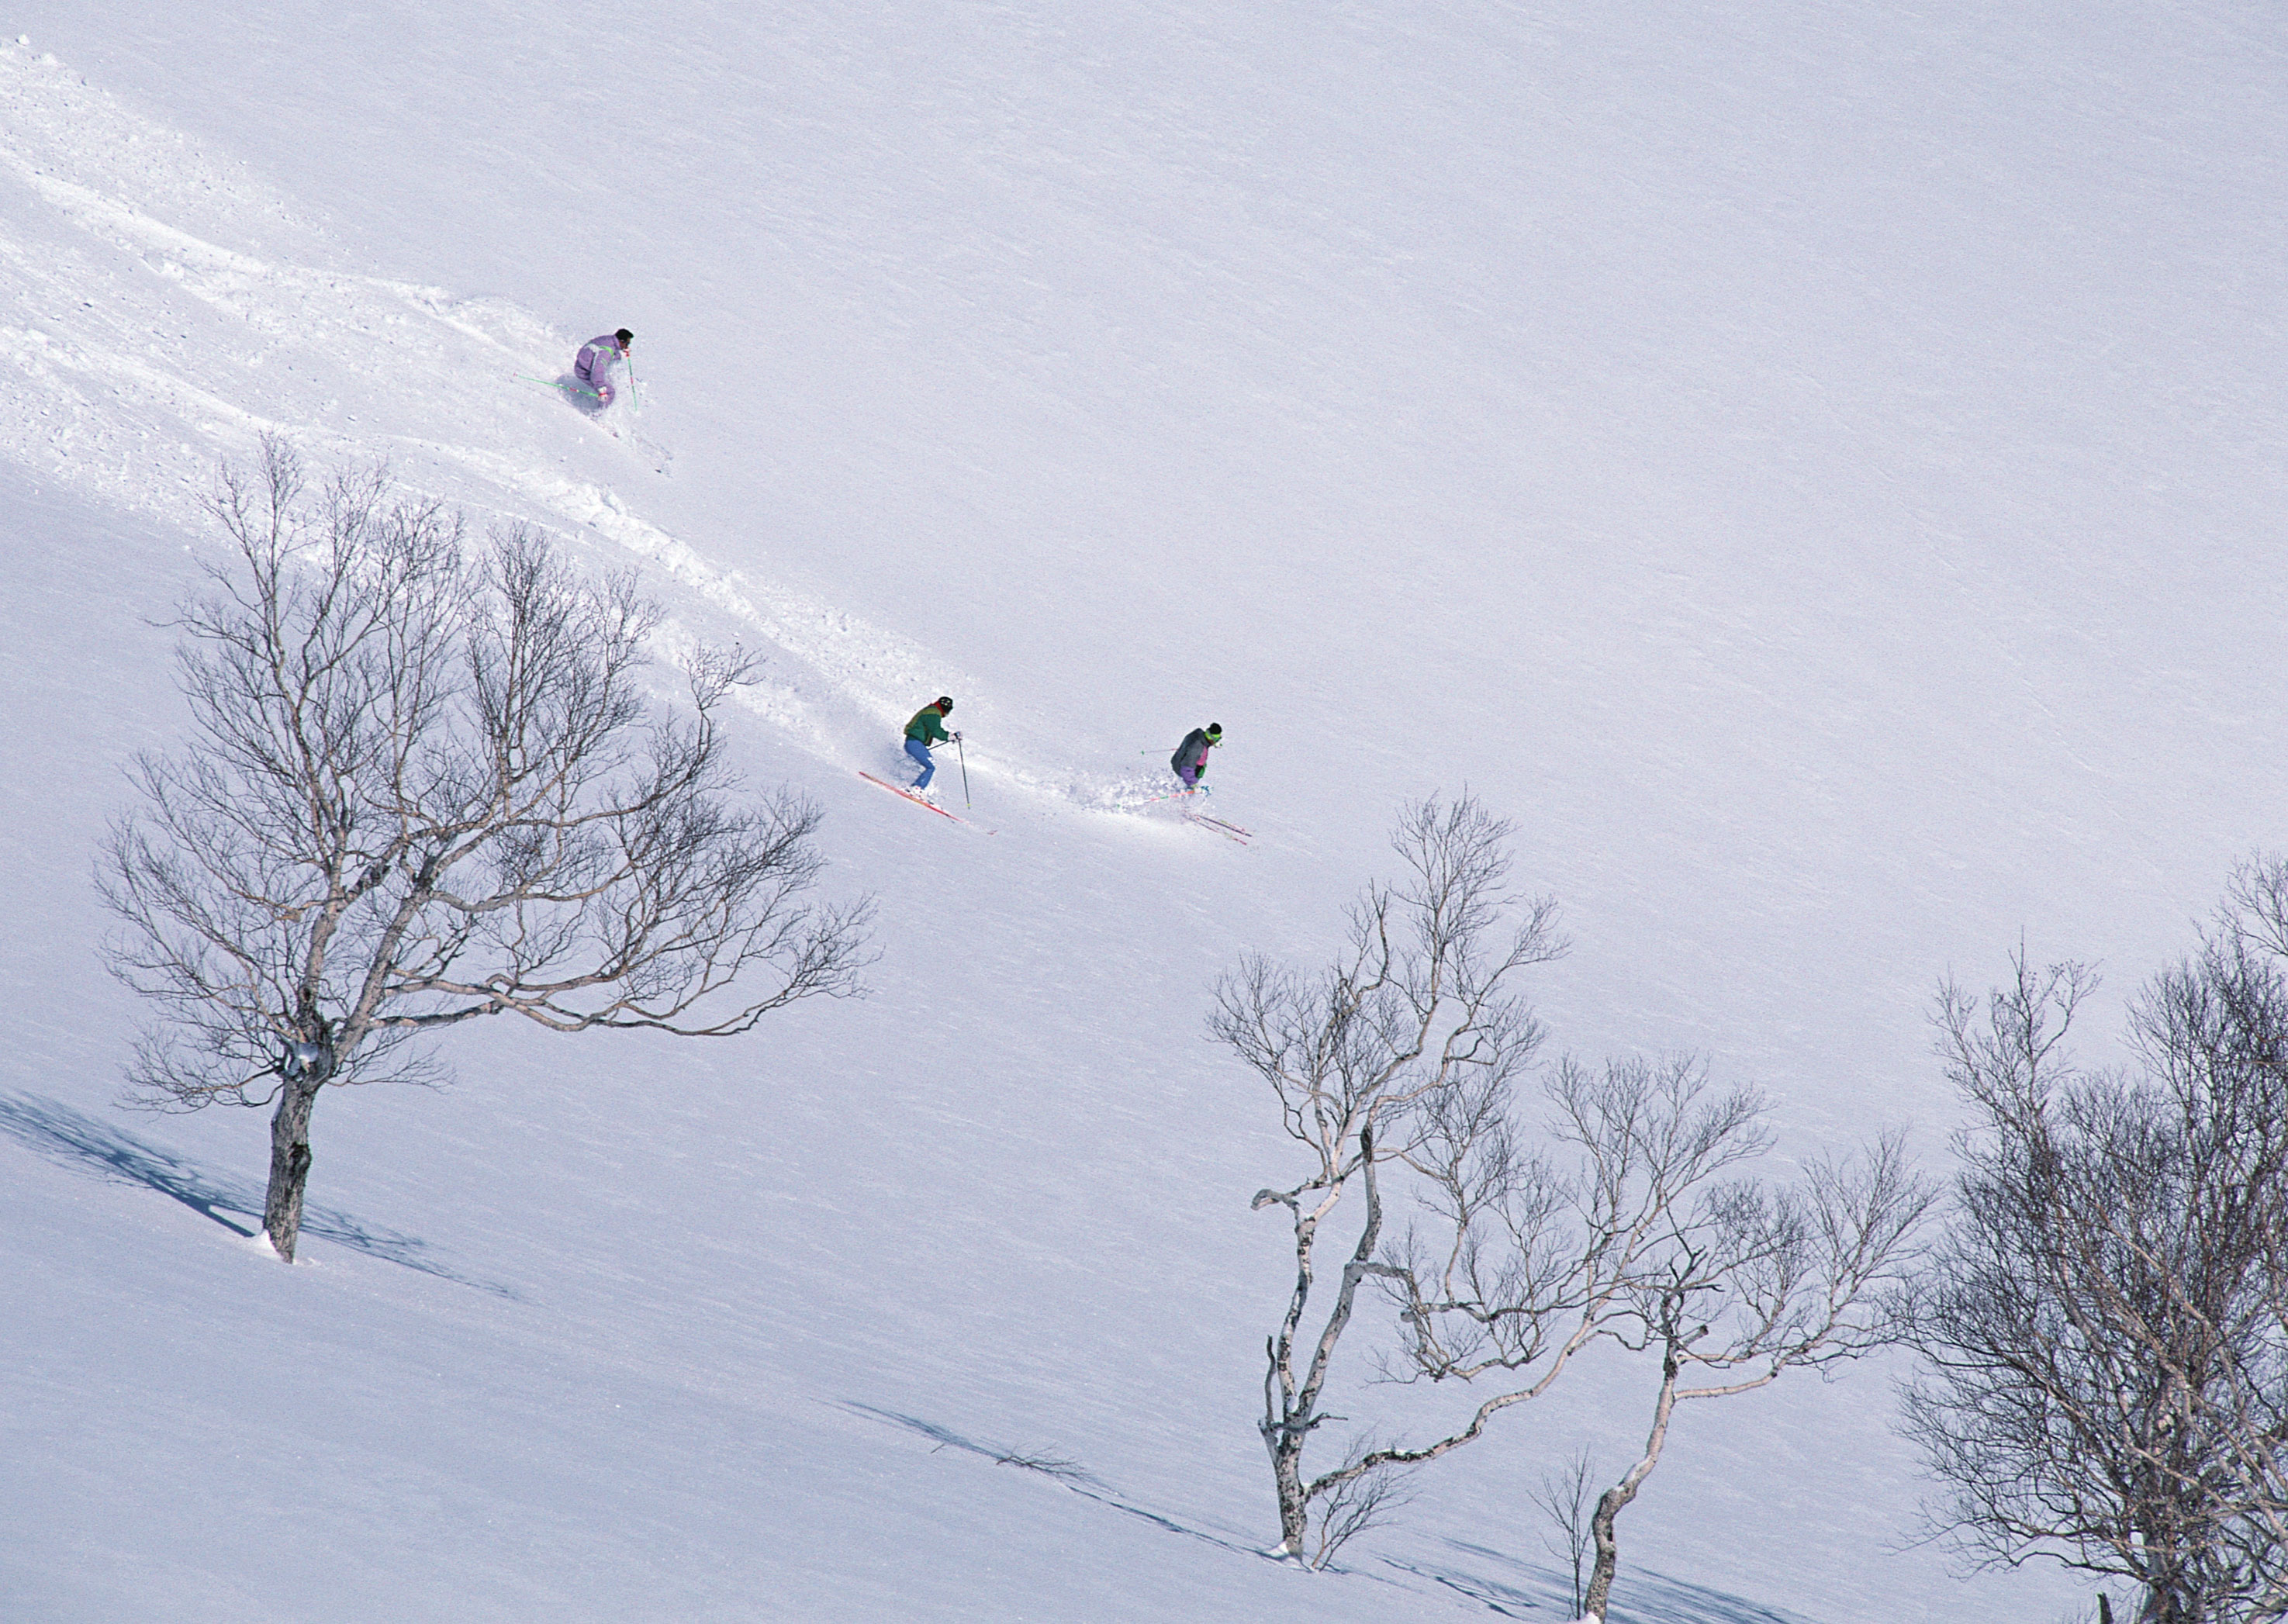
(1173, 794)
(583, 400)
(579, 397)
(1228, 831)
(562, 391)
(908, 794)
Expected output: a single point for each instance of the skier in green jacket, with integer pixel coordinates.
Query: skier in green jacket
(928, 728)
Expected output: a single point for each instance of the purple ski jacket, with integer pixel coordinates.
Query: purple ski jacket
(594, 367)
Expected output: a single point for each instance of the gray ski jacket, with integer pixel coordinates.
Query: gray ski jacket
(1191, 754)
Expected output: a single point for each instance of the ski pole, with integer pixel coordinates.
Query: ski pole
(635, 404)
(962, 755)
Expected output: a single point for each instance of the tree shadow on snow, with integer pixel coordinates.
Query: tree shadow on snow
(1527, 1591)
(1640, 1597)
(74, 1139)
(1082, 1482)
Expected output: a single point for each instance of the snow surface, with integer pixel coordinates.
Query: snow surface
(1816, 466)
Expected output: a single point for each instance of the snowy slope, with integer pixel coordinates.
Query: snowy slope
(1815, 469)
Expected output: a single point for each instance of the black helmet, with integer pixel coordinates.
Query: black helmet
(945, 701)
(625, 338)
(1215, 730)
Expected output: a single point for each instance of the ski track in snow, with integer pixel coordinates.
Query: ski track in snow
(136, 353)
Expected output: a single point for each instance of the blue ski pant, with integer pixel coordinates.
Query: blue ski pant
(919, 751)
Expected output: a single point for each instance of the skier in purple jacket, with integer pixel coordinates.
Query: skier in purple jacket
(594, 367)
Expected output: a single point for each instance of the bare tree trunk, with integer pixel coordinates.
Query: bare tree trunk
(1294, 1507)
(1614, 1501)
(1291, 1412)
(1609, 1549)
(290, 1163)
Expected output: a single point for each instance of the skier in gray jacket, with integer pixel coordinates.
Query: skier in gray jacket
(1191, 760)
(597, 356)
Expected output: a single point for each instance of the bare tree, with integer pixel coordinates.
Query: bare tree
(2216, 1032)
(425, 786)
(1519, 1264)
(2106, 1333)
(1401, 1060)
(1756, 1281)
(1564, 1498)
(1356, 1501)
(1418, 1015)
(1639, 1240)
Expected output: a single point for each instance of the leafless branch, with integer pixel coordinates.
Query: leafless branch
(1364, 1060)
(2106, 1338)
(425, 785)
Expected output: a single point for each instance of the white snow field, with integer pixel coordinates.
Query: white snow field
(1817, 467)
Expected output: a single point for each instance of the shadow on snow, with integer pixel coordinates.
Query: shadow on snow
(1640, 1597)
(1085, 1483)
(1527, 1590)
(74, 1139)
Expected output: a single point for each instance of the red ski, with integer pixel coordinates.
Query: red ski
(1230, 831)
(923, 801)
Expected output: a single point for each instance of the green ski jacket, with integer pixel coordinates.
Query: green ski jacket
(928, 726)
